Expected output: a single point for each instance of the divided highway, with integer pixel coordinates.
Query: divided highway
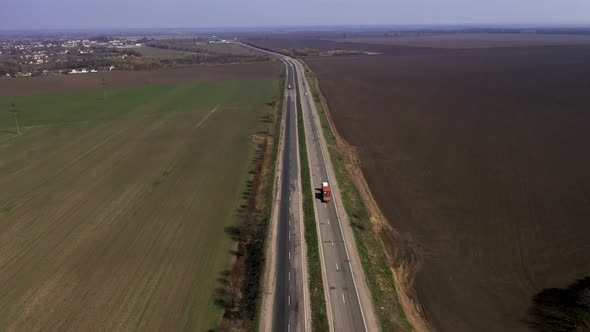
(348, 300)
(289, 309)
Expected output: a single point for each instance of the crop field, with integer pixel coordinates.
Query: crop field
(478, 159)
(404, 45)
(229, 48)
(114, 212)
(161, 52)
(117, 79)
(472, 40)
(203, 47)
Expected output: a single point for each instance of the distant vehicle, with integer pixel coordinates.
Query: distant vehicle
(326, 192)
(289, 86)
(306, 93)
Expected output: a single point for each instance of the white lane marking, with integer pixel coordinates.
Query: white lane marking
(328, 221)
(332, 243)
(343, 300)
(289, 275)
(289, 255)
(337, 267)
(289, 300)
(205, 118)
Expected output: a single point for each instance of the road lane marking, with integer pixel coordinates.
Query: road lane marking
(289, 275)
(332, 243)
(343, 300)
(289, 255)
(289, 300)
(337, 267)
(328, 221)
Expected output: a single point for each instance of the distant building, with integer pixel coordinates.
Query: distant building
(75, 71)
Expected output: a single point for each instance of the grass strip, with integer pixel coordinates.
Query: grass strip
(319, 317)
(268, 188)
(242, 307)
(379, 276)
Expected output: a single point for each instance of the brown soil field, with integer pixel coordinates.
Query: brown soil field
(114, 79)
(479, 160)
(472, 40)
(301, 42)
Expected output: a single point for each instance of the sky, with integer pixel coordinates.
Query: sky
(118, 14)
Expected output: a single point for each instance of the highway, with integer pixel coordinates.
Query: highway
(348, 300)
(344, 304)
(289, 309)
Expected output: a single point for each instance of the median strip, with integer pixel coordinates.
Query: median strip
(319, 317)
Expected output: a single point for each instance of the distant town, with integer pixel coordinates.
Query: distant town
(29, 57)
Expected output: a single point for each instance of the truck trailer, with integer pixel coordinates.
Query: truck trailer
(326, 192)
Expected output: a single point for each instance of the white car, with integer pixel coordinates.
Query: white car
(306, 93)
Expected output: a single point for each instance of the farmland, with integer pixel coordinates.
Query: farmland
(116, 204)
(477, 158)
(118, 79)
(203, 46)
(471, 40)
(161, 52)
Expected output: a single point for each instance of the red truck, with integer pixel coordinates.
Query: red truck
(326, 192)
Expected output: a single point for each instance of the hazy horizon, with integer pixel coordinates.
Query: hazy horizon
(160, 14)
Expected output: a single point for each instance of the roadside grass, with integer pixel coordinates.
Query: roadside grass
(268, 186)
(319, 317)
(380, 278)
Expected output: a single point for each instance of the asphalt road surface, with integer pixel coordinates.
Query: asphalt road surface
(288, 309)
(346, 313)
(349, 306)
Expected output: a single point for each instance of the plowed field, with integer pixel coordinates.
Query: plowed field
(479, 159)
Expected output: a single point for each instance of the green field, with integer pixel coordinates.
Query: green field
(202, 47)
(162, 53)
(113, 213)
(229, 48)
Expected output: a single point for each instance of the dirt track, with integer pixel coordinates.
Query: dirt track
(113, 79)
(477, 158)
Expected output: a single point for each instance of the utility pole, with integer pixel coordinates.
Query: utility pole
(104, 91)
(12, 109)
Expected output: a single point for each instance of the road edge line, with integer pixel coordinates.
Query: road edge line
(267, 305)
